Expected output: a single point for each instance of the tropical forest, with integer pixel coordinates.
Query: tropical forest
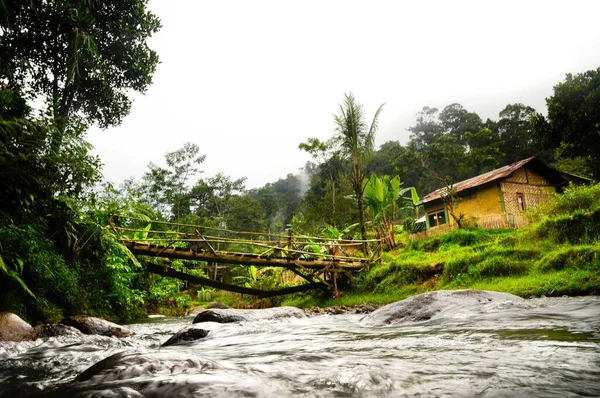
(416, 266)
(59, 254)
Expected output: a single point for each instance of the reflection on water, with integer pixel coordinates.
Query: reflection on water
(551, 350)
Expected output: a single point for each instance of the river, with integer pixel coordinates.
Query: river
(552, 349)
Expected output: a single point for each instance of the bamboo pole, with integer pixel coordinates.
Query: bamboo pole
(170, 272)
(240, 258)
(314, 254)
(241, 232)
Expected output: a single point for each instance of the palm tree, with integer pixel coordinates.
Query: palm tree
(356, 141)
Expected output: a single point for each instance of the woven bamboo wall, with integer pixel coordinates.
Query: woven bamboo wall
(502, 220)
(534, 188)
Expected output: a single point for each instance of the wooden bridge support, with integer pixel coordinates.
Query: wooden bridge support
(173, 273)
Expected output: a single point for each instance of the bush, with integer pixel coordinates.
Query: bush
(512, 253)
(498, 266)
(578, 257)
(44, 271)
(577, 228)
(460, 237)
(575, 198)
(454, 268)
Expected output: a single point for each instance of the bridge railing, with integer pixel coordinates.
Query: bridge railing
(214, 239)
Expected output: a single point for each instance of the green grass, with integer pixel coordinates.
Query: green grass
(527, 269)
(353, 298)
(568, 282)
(558, 255)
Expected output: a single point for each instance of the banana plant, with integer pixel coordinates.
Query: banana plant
(250, 279)
(380, 195)
(412, 201)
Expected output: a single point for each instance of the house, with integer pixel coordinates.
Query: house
(497, 199)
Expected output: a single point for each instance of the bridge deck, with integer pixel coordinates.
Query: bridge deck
(317, 260)
(225, 257)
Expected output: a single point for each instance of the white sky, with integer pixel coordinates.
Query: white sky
(249, 80)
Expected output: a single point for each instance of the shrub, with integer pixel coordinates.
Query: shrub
(456, 267)
(578, 257)
(577, 228)
(498, 266)
(460, 237)
(574, 198)
(512, 253)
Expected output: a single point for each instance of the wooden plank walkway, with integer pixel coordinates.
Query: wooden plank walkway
(223, 257)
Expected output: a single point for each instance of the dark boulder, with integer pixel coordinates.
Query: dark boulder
(236, 315)
(46, 331)
(217, 316)
(13, 328)
(92, 325)
(443, 303)
(186, 336)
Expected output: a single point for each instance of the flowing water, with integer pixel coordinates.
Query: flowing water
(549, 349)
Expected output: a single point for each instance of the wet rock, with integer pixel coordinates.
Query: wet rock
(13, 328)
(235, 315)
(155, 316)
(46, 331)
(217, 316)
(165, 374)
(130, 365)
(336, 310)
(186, 336)
(93, 325)
(365, 308)
(217, 304)
(443, 303)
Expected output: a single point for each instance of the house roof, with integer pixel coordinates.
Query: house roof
(554, 176)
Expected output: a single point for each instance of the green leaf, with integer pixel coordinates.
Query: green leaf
(253, 272)
(20, 265)
(16, 277)
(3, 266)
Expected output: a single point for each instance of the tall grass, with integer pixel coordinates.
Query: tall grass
(559, 254)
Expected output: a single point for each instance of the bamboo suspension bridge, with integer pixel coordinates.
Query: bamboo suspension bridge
(317, 260)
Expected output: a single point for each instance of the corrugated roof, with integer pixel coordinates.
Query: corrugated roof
(481, 179)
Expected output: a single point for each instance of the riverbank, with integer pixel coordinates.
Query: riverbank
(528, 263)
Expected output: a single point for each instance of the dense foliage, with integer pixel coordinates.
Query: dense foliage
(59, 254)
(81, 60)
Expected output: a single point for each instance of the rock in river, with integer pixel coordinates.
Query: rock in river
(92, 325)
(443, 303)
(45, 331)
(13, 328)
(235, 315)
(186, 336)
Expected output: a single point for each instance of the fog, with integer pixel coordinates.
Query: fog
(249, 81)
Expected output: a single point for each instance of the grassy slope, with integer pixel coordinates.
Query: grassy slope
(559, 255)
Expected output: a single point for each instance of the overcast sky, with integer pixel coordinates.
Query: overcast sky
(249, 80)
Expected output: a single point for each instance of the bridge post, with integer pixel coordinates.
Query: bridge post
(196, 237)
(290, 240)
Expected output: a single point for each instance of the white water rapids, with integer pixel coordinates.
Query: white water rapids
(549, 348)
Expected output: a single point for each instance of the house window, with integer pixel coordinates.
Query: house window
(521, 201)
(437, 218)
